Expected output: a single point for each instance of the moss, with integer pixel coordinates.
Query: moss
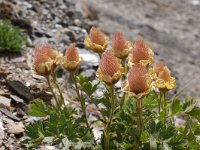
(11, 38)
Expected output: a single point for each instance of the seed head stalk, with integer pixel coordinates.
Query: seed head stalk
(52, 91)
(83, 106)
(123, 79)
(58, 87)
(139, 106)
(110, 119)
(164, 107)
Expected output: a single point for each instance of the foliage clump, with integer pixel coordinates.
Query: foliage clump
(11, 38)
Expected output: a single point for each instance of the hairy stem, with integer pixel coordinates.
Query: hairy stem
(58, 87)
(51, 89)
(83, 106)
(159, 103)
(164, 107)
(123, 79)
(139, 106)
(110, 119)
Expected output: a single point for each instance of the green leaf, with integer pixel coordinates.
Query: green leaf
(151, 101)
(197, 131)
(176, 141)
(168, 133)
(194, 145)
(80, 145)
(176, 107)
(55, 124)
(38, 109)
(34, 134)
(86, 85)
(144, 136)
(153, 143)
(188, 105)
(154, 128)
(166, 146)
(195, 113)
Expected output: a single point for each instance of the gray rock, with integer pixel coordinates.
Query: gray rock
(15, 128)
(2, 133)
(20, 89)
(9, 114)
(89, 73)
(5, 102)
(16, 99)
(89, 59)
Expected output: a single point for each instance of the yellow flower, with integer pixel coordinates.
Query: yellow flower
(120, 46)
(162, 77)
(46, 59)
(141, 53)
(138, 81)
(97, 41)
(110, 69)
(164, 81)
(71, 60)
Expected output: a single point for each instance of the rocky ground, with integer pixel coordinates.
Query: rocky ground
(171, 27)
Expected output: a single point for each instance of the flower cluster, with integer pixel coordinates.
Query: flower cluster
(138, 54)
(140, 57)
(47, 59)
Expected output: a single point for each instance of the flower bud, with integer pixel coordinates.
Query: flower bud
(120, 46)
(138, 81)
(71, 60)
(97, 41)
(110, 69)
(141, 53)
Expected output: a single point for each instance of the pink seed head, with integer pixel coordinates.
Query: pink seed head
(140, 51)
(40, 55)
(49, 50)
(71, 53)
(97, 36)
(119, 42)
(137, 79)
(109, 64)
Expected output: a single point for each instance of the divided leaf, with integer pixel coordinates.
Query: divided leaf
(38, 109)
(87, 85)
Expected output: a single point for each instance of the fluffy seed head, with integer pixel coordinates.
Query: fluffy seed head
(119, 42)
(137, 79)
(71, 53)
(40, 55)
(140, 51)
(109, 64)
(97, 36)
(49, 50)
